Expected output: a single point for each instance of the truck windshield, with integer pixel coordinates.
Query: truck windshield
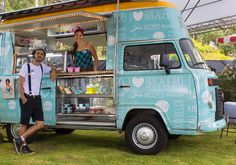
(192, 55)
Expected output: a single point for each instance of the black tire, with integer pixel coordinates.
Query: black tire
(12, 130)
(172, 137)
(146, 125)
(64, 131)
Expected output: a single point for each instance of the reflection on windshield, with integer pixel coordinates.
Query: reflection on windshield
(192, 55)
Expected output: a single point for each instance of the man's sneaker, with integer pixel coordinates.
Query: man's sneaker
(17, 145)
(26, 150)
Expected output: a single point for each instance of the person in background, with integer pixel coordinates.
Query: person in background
(83, 52)
(30, 79)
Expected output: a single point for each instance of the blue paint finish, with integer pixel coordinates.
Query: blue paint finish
(206, 96)
(149, 24)
(144, 24)
(172, 96)
(48, 94)
(212, 126)
(10, 108)
(6, 53)
(182, 98)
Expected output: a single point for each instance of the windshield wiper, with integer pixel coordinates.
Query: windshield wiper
(198, 63)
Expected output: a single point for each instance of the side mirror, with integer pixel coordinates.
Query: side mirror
(212, 68)
(165, 62)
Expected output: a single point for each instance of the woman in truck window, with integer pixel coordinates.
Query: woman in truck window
(83, 52)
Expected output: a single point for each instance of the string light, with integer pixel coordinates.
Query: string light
(95, 19)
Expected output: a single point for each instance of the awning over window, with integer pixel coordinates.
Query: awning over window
(70, 19)
(227, 39)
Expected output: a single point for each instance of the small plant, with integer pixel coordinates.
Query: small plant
(228, 82)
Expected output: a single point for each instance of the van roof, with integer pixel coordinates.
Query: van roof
(95, 6)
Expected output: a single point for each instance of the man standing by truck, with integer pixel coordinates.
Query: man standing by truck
(30, 80)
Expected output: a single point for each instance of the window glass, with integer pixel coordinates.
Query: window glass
(192, 55)
(56, 59)
(147, 57)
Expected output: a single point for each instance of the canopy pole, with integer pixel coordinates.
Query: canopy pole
(115, 66)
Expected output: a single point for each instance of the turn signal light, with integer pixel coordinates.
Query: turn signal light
(213, 82)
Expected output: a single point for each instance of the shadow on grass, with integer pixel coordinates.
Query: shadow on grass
(83, 139)
(112, 141)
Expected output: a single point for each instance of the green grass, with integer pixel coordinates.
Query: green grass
(108, 148)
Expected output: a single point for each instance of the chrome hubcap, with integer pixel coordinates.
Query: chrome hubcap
(144, 136)
(15, 130)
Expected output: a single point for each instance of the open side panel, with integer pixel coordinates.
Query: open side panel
(54, 34)
(70, 19)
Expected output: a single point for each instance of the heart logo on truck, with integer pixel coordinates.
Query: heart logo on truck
(138, 15)
(159, 35)
(163, 105)
(138, 82)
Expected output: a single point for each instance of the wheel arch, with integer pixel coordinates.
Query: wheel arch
(137, 111)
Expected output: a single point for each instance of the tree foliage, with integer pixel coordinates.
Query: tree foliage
(228, 82)
(13, 5)
(227, 49)
(209, 52)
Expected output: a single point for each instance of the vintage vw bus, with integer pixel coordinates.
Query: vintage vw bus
(153, 84)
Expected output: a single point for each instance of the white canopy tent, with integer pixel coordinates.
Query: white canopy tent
(205, 15)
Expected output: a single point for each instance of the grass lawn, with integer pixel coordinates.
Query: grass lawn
(104, 147)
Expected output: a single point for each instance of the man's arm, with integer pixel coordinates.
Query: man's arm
(21, 88)
(53, 74)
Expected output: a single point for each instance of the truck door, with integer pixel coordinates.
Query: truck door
(143, 84)
(48, 95)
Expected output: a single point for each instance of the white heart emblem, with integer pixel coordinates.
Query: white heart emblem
(12, 104)
(47, 105)
(138, 15)
(163, 105)
(159, 35)
(138, 82)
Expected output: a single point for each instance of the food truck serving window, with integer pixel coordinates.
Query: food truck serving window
(53, 34)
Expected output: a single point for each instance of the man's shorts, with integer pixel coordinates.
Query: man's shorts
(32, 108)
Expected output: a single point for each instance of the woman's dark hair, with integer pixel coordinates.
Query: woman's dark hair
(8, 80)
(75, 46)
(79, 29)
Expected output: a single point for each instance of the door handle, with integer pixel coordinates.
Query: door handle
(124, 86)
(46, 88)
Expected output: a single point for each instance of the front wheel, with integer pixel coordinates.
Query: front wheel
(145, 134)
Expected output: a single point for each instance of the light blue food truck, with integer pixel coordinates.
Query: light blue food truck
(152, 82)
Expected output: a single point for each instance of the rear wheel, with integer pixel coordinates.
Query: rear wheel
(64, 131)
(172, 137)
(145, 134)
(12, 130)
